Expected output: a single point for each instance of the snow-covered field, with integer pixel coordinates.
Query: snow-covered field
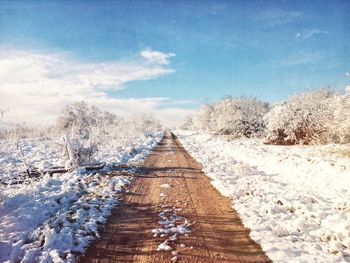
(295, 199)
(53, 218)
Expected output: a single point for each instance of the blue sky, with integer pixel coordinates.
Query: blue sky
(267, 49)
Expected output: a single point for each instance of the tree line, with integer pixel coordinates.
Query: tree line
(309, 117)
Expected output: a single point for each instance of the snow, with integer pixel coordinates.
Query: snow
(175, 255)
(295, 199)
(164, 246)
(54, 218)
(166, 186)
(163, 195)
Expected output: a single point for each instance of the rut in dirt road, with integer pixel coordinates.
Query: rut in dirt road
(173, 214)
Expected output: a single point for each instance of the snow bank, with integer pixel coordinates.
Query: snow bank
(295, 199)
(53, 219)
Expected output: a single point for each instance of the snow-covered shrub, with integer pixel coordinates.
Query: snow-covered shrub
(27, 131)
(77, 123)
(126, 129)
(143, 123)
(78, 118)
(340, 130)
(204, 119)
(305, 118)
(188, 123)
(240, 117)
(2, 112)
(86, 129)
(16, 134)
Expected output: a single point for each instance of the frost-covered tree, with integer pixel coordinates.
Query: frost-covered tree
(204, 119)
(340, 130)
(86, 129)
(77, 122)
(143, 123)
(240, 117)
(188, 123)
(2, 112)
(305, 118)
(78, 118)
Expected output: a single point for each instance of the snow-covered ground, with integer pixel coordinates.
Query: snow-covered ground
(295, 199)
(53, 218)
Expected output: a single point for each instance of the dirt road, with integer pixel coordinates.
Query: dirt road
(173, 214)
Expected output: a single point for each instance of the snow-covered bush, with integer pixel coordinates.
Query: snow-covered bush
(143, 123)
(77, 122)
(305, 118)
(10, 131)
(2, 112)
(340, 130)
(204, 120)
(240, 117)
(188, 123)
(126, 129)
(86, 129)
(78, 118)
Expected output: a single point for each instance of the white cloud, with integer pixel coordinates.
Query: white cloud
(301, 59)
(307, 33)
(52, 70)
(156, 56)
(276, 16)
(35, 85)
